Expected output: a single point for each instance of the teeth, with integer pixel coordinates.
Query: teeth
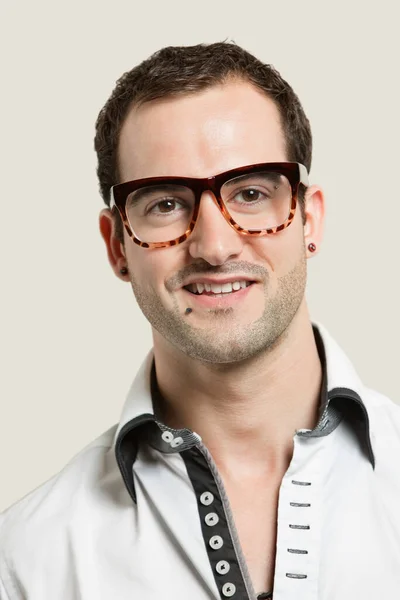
(200, 287)
(216, 288)
(226, 287)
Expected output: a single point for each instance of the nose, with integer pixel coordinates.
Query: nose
(212, 238)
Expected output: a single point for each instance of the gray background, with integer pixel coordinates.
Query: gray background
(72, 337)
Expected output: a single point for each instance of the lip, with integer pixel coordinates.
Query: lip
(218, 301)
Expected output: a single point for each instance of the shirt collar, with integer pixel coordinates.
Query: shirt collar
(342, 396)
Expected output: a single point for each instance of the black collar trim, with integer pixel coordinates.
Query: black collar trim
(126, 449)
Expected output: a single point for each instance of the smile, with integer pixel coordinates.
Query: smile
(216, 289)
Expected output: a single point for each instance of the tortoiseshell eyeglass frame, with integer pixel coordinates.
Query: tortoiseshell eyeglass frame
(295, 173)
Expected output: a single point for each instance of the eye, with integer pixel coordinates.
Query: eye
(165, 206)
(250, 195)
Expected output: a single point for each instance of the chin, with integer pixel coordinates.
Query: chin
(227, 350)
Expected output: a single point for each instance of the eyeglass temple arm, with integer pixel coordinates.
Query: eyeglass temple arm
(112, 200)
(303, 175)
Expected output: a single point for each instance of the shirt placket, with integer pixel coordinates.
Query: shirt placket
(299, 523)
(219, 532)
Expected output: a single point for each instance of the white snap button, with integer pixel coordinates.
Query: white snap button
(167, 436)
(216, 542)
(223, 567)
(211, 519)
(207, 498)
(178, 441)
(228, 590)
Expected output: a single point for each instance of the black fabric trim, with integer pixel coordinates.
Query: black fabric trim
(357, 415)
(203, 481)
(323, 403)
(126, 449)
(156, 395)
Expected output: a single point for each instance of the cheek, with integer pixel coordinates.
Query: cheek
(149, 268)
(280, 252)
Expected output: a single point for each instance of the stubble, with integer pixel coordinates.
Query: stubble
(226, 338)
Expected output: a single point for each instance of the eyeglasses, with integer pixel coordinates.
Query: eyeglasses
(255, 200)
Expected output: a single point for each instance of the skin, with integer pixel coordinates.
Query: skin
(244, 378)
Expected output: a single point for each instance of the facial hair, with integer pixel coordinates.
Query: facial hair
(222, 341)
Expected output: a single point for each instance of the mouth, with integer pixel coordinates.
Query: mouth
(216, 290)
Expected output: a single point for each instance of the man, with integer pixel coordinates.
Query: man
(250, 461)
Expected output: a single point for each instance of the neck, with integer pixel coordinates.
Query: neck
(246, 413)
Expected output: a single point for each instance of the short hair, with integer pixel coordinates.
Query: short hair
(183, 70)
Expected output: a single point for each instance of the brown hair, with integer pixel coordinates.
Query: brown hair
(178, 70)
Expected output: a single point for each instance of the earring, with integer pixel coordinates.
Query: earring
(123, 271)
(312, 247)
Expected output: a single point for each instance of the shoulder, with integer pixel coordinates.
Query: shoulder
(46, 514)
(384, 412)
(384, 422)
(57, 496)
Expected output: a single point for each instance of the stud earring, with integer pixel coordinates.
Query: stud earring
(312, 247)
(123, 271)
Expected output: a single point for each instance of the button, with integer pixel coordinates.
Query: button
(216, 542)
(223, 567)
(207, 498)
(211, 519)
(178, 441)
(167, 436)
(228, 590)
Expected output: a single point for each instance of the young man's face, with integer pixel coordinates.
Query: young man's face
(225, 127)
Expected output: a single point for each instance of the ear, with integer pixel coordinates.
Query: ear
(315, 218)
(115, 249)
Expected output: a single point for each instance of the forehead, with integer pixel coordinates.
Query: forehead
(201, 134)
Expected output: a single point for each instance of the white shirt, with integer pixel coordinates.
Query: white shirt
(141, 513)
